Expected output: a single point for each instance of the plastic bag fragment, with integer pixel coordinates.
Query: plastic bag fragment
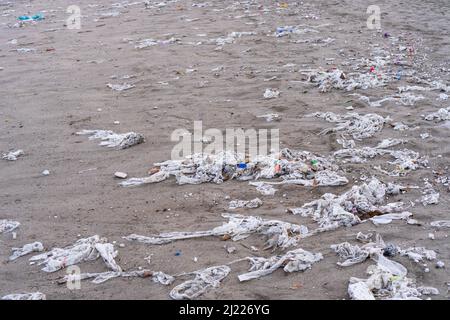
(440, 115)
(100, 277)
(349, 253)
(279, 234)
(354, 124)
(251, 204)
(82, 250)
(291, 261)
(25, 296)
(26, 249)
(360, 202)
(8, 225)
(441, 224)
(204, 280)
(113, 140)
(12, 155)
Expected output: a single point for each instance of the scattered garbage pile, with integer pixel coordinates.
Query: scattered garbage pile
(296, 167)
(404, 160)
(359, 203)
(387, 278)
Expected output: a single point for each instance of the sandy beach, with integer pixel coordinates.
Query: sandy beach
(54, 83)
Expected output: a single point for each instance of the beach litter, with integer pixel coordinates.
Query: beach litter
(12, 155)
(111, 139)
(278, 233)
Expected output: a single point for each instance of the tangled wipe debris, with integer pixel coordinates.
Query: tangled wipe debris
(271, 93)
(406, 99)
(337, 79)
(404, 160)
(100, 277)
(120, 87)
(8, 225)
(204, 280)
(291, 261)
(12, 155)
(354, 124)
(430, 196)
(250, 204)
(360, 202)
(114, 140)
(280, 234)
(387, 278)
(296, 167)
(231, 37)
(26, 249)
(87, 249)
(25, 296)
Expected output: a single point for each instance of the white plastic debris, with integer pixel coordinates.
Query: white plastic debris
(86, 249)
(25, 296)
(111, 139)
(428, 291)
(270, 117)
(387, 218)
(440, 115)
(337, 79)
(418, 254)
(291, 261)
(430, 195)
(288, 30)
(298, 167)
(45, 172)
(437, 224)
(26, 249)
(264, 188)
(120, 87)
(231, 37)
(12, 155)
(404, 160)
(251, 204)
(107, 252)
(271, 93)
(204, 280)
(406, 99)
(280, 234)
(364, 237)
(145, 43)
(360, 202)
(384, 282)
(101, 277)
(440, 264)
(400, 126)
(8, 225)
(351, 254)
(354, 124)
